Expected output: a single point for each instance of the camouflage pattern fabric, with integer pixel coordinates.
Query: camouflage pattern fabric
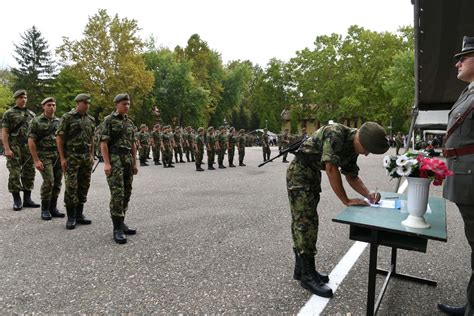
(285, 142)
(231, 151)
(178, 150)
(142, 138)
(222, 139)
(21, 167)
(242, 142)
(156, 145)
(199, 154)
(119, 133)
(211, 153)
(166, 149)
(265, 147)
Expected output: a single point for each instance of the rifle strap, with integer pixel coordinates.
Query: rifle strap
(459, 121)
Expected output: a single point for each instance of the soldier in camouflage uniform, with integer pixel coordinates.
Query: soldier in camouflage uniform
(142, 139)
(211, 148)
(221, 146)
(329, 148)
(167, 147)
(285, 142)
(75, 141)
(189, 144)
(15, 124)
(265, 145)
(241, 142)
(178, 145)
(118, 147)
(156, 137)
(42, 144)
(231, 141)
(198, 144)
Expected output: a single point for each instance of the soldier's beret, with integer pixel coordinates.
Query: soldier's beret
(121, 97)
(232, 129)
(265, 130)
(142, 126)
(177, 128)
(200, 129)
(373, 138)
(167, 126)
(82, 97)
(221, 127)
(48, 99)
(241, 130)
(19, 93)
(210, 128)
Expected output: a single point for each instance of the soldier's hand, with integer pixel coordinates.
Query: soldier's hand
(9, 153)
(63, 165)
(39, 165)
(374, 197)
(107, 169)
(357, 202)
(134, 169)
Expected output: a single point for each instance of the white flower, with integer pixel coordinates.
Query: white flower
(402, 160)
(404, 170)
(386, 161)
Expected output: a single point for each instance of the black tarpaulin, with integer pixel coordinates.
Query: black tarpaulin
(441, 27)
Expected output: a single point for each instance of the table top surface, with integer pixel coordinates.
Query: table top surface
(390, 219)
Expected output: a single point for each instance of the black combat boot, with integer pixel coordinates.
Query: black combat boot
(297, 271)
(452, 310)
(27, 201)
(170, 165)
(210, 167)
(157, 163)
(17, 204)
(127, 230)
(119, 235)
(310, 280)
(241, 164)
(222, 167)
(45, 214)
(80, 218)
(53, 208)
(71, 217)
(231, 165)
(198, 167)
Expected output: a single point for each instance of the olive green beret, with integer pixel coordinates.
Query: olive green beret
(373, 138)
(221, 127)
(167, 126)
(200, 129)
(232, 129)
(241, 130)
(142, 126)
(210, 128)
(82, 97)
(121, 97)
(48, 99)
(19, 93)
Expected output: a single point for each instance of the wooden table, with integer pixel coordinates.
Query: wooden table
(382, 227)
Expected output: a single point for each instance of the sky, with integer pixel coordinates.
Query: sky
(257, 30)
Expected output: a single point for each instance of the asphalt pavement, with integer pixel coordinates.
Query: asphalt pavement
(208, 242)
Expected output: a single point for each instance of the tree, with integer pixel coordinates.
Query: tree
(109, 60)
(36, 68)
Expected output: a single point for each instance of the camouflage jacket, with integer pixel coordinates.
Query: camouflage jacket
(199, 141)
(166, 138)
(17, 121)
(178, 139)
(77, 131)
(285, 140)
(241, 141)
(43, 131)
(118, 131)
(332, 143)
(222, 139)
(265, 142)
(143, 138)
(232, 141)
(211, 141)
(156, 138)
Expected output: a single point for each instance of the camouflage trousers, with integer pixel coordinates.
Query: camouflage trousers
(304, 186)
(77, 179)
(143, 153)
(156, 153)
(120, 184)
(21, 169)
(241, 154)
(230, 155)
(211, 157)
(178, 151)
(52, 176)
(199, 155)
(167, 155)
(266, 153)
(220, 156)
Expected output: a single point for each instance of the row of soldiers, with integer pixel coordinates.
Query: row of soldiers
(191, 144)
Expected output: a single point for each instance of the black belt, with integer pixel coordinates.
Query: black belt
(119, 151)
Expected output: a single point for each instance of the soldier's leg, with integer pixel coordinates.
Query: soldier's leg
(193, 158)
(84, 180)
(467, 213)
(57, 175)
(127, 193)
(180, 151)
(116, 187)
(46, 188)
(28, 170)
(158, 151)
(14, 177)
(70, 191)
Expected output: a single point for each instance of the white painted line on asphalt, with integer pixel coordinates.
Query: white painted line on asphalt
(317, 304)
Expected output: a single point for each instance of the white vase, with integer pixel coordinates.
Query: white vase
(417, 202)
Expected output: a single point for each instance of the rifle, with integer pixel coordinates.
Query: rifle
(291, 149)
(96, 164)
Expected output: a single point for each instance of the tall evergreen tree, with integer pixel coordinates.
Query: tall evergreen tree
(36, 67)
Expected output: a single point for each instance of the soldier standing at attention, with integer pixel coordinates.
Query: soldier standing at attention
(241, 142)
(231, 140)
(75, 141)
(221, 146)
(43, 148)
(211, 148)
(15, 124)
(459, 153)
(156, 141)
(265, 145)
(142, 145)
(118, 147)
(398, 142)
(167, 147)
(285, 142)
(328, 149)
(178, 145)
(199, 148)
(150, 142)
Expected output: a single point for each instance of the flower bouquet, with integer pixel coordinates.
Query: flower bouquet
(420, 170)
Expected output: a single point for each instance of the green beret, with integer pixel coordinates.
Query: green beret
(232, 129)
(82, 97)
(210, 128)
(121, 97)
(48, 99)
(221, 127)
(143, 126)
(200, 129)
(373, 138)
(19, 93)
(241, 130)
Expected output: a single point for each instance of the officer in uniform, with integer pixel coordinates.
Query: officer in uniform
(142, 138)
(231, 141)
(118, 147)
(15, 124)
(211, 148)
(178, 145)
(459, 152)
(265, 145)
(221, 146)
(167, 147)
(328, 149)
(42, 144)
(241, 142)
(75, 141)
(285, 142)
(199, 148)
(156, 137)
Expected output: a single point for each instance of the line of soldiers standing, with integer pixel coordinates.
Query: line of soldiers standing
(191, 144)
